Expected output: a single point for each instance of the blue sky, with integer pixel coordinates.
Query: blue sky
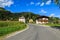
(47, 8)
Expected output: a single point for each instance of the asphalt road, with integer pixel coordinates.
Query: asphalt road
(36, 32)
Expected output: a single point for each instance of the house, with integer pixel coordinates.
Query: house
(42, 20)
(22, 19)
(30, 20)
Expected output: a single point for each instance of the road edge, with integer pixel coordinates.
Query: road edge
(17, 32)
(55, 31)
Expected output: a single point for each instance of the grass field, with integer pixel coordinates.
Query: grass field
(10, 26)
(54, 25)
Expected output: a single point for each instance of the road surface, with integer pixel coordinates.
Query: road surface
(36, 32)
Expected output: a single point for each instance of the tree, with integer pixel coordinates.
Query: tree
(57, 2)
(7, 15)
(54, 20)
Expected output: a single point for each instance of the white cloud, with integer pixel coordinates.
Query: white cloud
(48, 2)
(32, 3)
(42, 4)
(43, 11)
(2, 0)
(38, 3)
(52, 15)
(4, 3)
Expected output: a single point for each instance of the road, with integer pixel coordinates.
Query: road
(35, 32)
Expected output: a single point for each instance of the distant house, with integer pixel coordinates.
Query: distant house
(22, 19)
(42, 20)
(30, 20)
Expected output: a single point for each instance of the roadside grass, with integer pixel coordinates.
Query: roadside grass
(54, 25)
(10, 26)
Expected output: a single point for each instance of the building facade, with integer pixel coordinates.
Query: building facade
(30, 20)
(22, 19)
(42, 20)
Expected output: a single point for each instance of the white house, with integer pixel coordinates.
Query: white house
(22, 19)
(42, 20)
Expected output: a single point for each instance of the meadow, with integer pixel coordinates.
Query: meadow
(54, 25)
(7, 27)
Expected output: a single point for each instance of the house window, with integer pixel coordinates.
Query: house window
(43, 18)
(46, 18)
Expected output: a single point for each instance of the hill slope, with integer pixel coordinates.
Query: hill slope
(7, 15)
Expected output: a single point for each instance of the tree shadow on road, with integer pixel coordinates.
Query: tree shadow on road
(56, 27)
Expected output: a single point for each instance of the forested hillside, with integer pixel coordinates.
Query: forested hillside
(7, 15)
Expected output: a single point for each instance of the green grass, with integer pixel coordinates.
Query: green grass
(54, 25)
(11, 26)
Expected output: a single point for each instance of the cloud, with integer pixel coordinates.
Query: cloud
(42, 4)
(32, 3)
(48, 2)
(4, 3)
(43, 11)
(38, 3)
(52, 15)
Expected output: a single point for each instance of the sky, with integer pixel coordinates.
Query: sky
(47, 8)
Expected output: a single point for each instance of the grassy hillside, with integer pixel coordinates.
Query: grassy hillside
(11, 26)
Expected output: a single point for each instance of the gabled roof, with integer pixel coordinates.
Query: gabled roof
(42, 17)
(22, 17)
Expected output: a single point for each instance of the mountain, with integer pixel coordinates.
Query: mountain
(7, 15)
(4, 14)
(27, 15)
(1, 9)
